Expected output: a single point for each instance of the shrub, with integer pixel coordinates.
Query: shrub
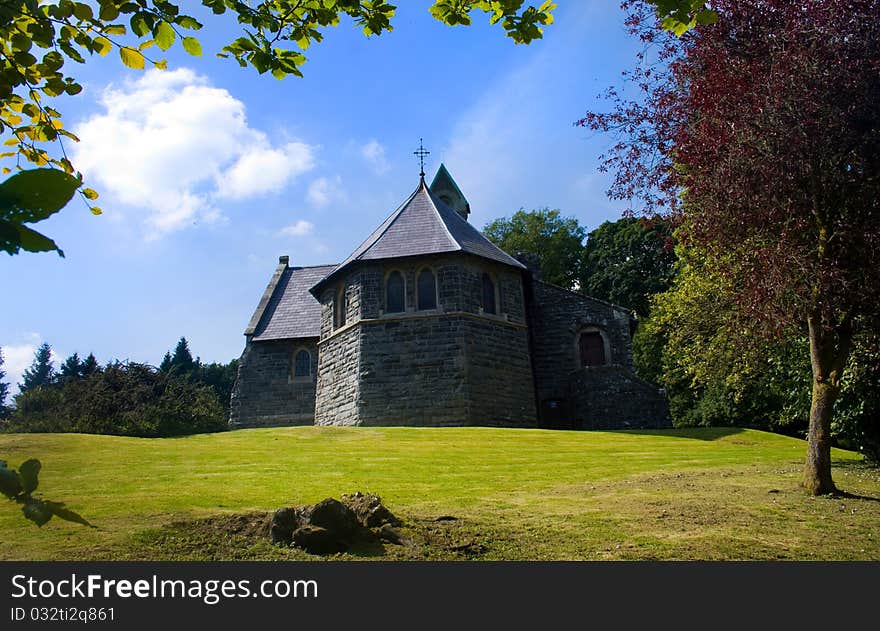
(125, 399)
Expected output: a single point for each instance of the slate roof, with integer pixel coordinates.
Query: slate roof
(291, 310)
(423, 224)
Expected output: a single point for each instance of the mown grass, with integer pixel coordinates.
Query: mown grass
(517, 494)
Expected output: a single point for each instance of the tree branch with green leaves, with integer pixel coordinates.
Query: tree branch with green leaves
(38, 40)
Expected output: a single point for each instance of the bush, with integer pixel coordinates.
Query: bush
(125, 400)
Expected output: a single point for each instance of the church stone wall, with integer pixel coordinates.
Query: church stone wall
(338, 366)
(589, 397)
(449, 366)
(500, 385)
(611, 397)
(266, 393)
(413, 372)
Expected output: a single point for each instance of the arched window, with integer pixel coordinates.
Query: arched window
(427, 285)
(395, 293)
(302, 364)
(592, 349)
(341, 305)
(489, 294)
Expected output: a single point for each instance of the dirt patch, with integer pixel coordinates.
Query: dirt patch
(246, 536)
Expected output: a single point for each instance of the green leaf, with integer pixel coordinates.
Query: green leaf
(82, 11)
(139, 24)
(108, 12)
(10, 483)
(102, 46)
(37, 511)
(188, 22)
(132, 58)
(165, 35)
(706, 17)
(192, 46)
(33, 241)
(34, 194)
(29, 472)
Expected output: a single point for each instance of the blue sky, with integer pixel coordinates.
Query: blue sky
(208, 172)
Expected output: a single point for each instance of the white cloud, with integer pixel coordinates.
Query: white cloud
(299, 229)
(324, 190)
(18, 357)
(374, 153)
(171, 145)
(264, 169)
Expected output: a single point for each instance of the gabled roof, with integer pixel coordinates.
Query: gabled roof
(423, 224)
(288, 310)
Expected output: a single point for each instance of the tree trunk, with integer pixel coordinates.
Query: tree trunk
(829, 349)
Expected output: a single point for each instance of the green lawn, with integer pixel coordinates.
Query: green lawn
(516, 494)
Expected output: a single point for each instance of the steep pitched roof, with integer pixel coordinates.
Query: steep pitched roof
(288, 310)
(423, 224)
(444, 187)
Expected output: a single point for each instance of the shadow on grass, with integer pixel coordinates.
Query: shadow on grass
(853, 496)
(692, 433)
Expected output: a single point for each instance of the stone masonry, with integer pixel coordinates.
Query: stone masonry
(588, 397)
(492, 345)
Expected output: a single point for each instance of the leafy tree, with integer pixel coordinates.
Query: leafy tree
(41, 371)
(719, 370)
(767, 126)
(4, 390)
(629, 260)
(38, 39)
(125, 399)
(556, 241)
(220, 377)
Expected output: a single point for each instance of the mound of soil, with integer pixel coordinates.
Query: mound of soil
(332, 525)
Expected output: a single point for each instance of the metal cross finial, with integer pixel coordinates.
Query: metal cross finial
(421, 153)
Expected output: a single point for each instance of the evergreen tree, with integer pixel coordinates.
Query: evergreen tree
(165, 366)
(72, 368)
(89, 366)
(41, 371)
(182, 362)
(4, 389)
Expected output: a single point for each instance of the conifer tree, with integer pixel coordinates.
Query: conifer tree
(4, 389)
(182, 362)
(72, 368)
(89, 366)
(41, 371)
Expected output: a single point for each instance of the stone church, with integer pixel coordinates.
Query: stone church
(427, 323)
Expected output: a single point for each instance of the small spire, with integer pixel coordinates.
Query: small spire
(421, 153)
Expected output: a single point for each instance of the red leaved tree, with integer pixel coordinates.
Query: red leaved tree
(762, 134)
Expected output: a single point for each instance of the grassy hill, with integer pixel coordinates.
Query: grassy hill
(515, 494)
